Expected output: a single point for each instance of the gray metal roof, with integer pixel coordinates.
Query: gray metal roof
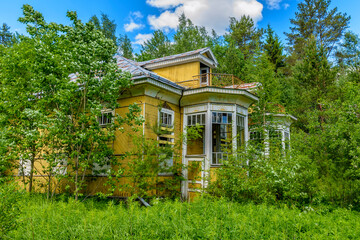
(137, 71)
(180, 55)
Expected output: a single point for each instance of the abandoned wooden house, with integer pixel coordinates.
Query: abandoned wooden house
(189, 94)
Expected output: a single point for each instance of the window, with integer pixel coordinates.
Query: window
(287, 142)
(101, 169)
(105, 118)
(221, 136)
(61, 167)
(275, 140)
(166, 118)
(166, 140)
(24, 167)
(204, 76)
(166, 158)
(257, 139)
(194, 119)
(196, 144)
(240, 130)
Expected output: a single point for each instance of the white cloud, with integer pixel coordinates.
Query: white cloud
(129, 27)
(286, 6)
(167, 20)
(165, 4)
(273, 4)
(212, 14)
(137, 14)
(141, 38)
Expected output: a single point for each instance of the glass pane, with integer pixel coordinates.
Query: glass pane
(224, 118)
(230, 118)
(189, 121)
(202, 119)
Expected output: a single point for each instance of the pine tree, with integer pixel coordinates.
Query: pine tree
(274, 49)
(124, 47)
(158, 46)
(314, 80)
(107, 26)
(189, 37)
(245, 35)
(314, 18)
(5, 35)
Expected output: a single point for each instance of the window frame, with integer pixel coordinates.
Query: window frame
(217, 117)
(101, 118)
(169, 112)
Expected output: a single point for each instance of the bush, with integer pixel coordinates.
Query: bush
(9, 207)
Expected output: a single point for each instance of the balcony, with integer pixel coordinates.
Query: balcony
(212, 80)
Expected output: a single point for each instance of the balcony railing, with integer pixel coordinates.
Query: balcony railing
(211, 79)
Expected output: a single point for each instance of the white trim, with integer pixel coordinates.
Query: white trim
(106, 111)
(178, 61)
(185, 182)
(167, 111)
(220, 90)
(159, 84)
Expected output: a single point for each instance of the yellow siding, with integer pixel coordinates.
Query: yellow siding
(179, 73)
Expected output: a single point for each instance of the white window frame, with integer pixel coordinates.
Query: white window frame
(218, 157)
(169, 161)
(98, 170)
(207, 69)
(103, 112)
(61, 167)
(24, 167)
(169, 112)
(197, 118)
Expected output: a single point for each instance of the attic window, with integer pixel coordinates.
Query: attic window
(204, 75)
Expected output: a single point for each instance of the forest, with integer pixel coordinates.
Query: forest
(314, 75)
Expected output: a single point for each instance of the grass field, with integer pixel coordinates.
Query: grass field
(202, 219)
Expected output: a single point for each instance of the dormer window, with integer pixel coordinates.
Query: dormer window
(204, 75)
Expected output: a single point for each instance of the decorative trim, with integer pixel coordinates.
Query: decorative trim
(172, 62)
(220, 90)
(159, 84)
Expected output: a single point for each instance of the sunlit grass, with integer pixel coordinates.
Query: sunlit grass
(202, 219)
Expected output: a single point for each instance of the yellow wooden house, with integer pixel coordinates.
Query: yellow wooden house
(175, 93)
(191, 94)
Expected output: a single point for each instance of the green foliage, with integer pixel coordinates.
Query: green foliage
(153, 168)
(156, 47)
(106, 26)
(10, 207)
(203, 219)
(245, 35)
(274, 49)
(189, 37)
(315, 19)
(125, 48)
(45, 107)
(6, 37)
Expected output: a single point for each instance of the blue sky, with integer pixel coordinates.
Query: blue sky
(139, 18)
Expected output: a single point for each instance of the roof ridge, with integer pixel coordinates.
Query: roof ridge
(184, 54)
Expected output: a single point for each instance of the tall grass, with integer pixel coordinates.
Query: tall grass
(202, 219)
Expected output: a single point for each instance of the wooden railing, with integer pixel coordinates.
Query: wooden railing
(212, 79)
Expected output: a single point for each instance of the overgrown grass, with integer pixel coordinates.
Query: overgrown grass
(202, 219)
